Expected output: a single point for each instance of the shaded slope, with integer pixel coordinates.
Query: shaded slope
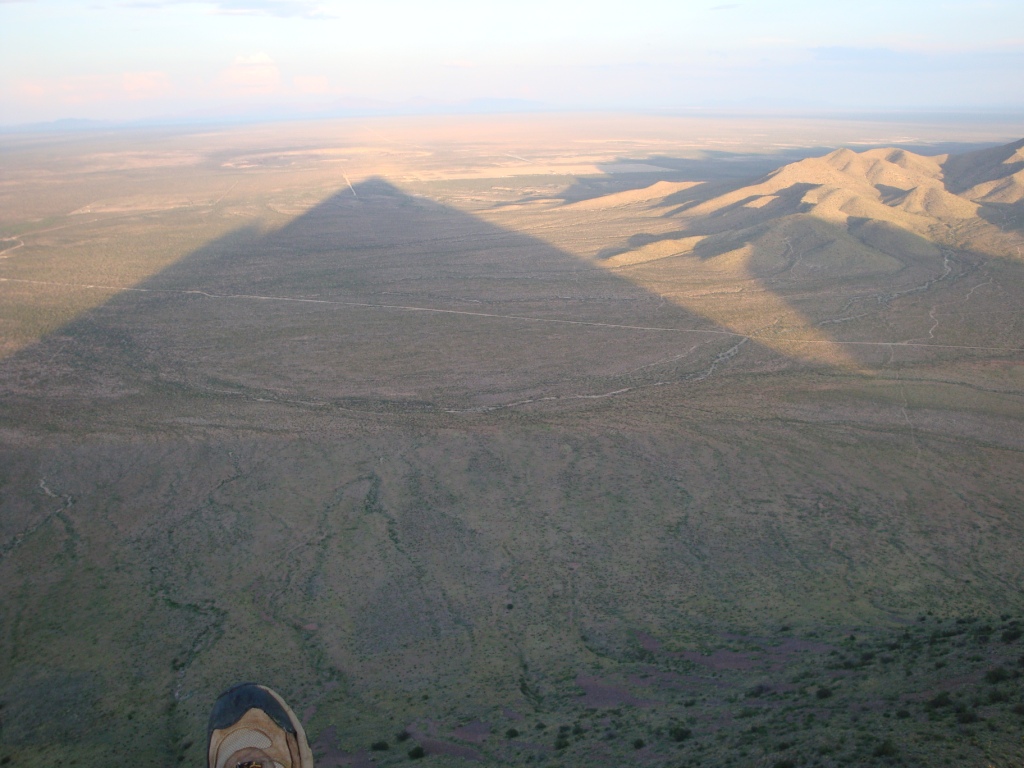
(889, 185)
(906, 195)
(971, 173)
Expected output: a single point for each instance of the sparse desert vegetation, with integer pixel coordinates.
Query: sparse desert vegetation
(516, 441)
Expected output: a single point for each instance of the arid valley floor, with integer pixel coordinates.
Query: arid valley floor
(553, 440)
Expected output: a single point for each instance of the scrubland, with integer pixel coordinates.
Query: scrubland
(552, 440)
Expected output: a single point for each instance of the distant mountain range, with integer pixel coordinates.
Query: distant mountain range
(340, 108)
(852, 210)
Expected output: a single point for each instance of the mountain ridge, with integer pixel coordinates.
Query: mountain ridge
(922, 202)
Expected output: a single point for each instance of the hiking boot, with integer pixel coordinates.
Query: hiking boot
(251, 727)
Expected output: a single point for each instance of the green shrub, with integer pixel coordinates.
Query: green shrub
(967, 716)
(886, 749)
(511, 733)
(824, 692)
(997, 696)
(379, 746)
(638, 743)
(996, 675)
(680, 734)
(417, 753)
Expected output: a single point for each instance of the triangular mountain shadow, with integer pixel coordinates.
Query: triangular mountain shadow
(373, 297)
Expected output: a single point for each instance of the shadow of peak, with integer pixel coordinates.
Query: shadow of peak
(335, 304)
(788, 196)
(753, 209)
(692, 196)
(373, 189)
(1009, 217)
(895, 241)
(717, 245)
(729, 227)
(638, 241)
(964, 171)
(723, 165)
(371, 296)
(890, 195)
(715, 172)
(378, 186)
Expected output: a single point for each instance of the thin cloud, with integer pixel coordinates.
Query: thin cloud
(146, 85)
(306, 9)
(727, 7)
(312, 84)
(300, 8)
(251, 75)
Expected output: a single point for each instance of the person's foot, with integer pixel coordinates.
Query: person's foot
(252, 727)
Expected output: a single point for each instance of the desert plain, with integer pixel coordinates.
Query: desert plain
(554, 440)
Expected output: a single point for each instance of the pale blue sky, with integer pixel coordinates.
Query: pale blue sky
(115, 59)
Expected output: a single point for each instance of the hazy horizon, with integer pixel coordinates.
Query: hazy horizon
(171, 60)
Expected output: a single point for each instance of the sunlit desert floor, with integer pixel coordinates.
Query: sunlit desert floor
(553, 440)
